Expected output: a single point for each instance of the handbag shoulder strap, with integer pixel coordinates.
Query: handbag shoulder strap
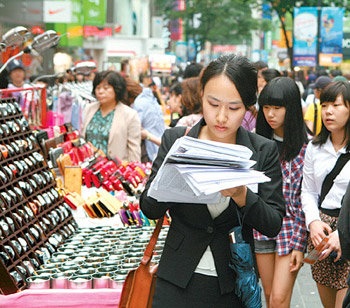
(329, 179)
(152, 242)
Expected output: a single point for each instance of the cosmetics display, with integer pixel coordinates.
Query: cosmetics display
(34, 218)
(95, 258)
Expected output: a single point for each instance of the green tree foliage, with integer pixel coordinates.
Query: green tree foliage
(221, 22)
(283, 7)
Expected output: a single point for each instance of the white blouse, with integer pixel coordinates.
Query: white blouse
(206, 265)
(319, 161)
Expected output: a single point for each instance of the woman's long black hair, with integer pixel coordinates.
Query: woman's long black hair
(330, 94)
(283, 91)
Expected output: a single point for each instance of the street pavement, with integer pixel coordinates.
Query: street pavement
(305, 293)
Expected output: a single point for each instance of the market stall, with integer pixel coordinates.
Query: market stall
(62, 247)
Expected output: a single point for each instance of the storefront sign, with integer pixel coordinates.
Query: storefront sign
(305, 36)
(331, 36)
(97, 31)
(162, 63)
(57, 11)
(94, 12)
(73, 31)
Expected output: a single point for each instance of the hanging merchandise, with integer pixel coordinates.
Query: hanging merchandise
(32, 101)
(67, 101)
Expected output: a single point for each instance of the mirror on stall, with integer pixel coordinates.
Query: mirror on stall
(85, 67)
(15, 36)
(44, 41)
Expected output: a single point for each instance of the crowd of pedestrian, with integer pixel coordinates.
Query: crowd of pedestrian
(298, 128)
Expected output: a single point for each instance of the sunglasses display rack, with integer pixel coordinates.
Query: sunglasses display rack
(34, 219)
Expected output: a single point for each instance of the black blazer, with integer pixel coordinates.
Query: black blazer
(193, 229)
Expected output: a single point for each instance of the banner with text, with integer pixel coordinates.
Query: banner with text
(331, 36)
(305, 36)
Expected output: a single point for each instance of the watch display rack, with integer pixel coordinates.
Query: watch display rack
(34, 219)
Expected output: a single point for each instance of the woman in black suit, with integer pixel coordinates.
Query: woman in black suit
(194, 267)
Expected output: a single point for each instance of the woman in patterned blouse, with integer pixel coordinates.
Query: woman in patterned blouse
(279, 259)
(109, 124)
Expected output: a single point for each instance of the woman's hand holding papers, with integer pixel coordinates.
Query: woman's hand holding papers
(238, 194)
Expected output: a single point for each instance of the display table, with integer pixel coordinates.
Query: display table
(93, 298)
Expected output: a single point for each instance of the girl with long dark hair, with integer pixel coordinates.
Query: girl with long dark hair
(328, 154)
(279, 259)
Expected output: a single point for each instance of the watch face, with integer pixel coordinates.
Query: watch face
(24, 122)
(22, 144)
(10, 109)
(47, 222)
(17, 246)
(29, 163)
(10, 251)
(3, 177)
(24, 215)
(8, 173)
(15, 147)
(30, 143)
(53, 220)
(55, 215)
(11, 224)
(42, 200)
(29, 211)
(50, 247)
(35, 233)
(47, 177)
(13, 196)
(11, 151)
(5, 258)
(23, 243)
(33, 184)
(43, 226)
(2, 205)
(40, 255)
(55, 193)
(47, 198)
(43, 179)
(38, 179)
(29, 267)
(18, 219)
(18, 192)
(30, 238)
(20, 168)
(4, 151)
(17, 106)
(39, 158)
(3, 110)
(17, 278)
(24, 186)
(5, 129)
(35, 262)
(5, 228)
(51, 197)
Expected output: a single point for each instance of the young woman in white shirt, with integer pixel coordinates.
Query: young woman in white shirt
(330, 273)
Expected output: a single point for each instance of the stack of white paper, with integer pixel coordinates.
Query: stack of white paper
(195, 171)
